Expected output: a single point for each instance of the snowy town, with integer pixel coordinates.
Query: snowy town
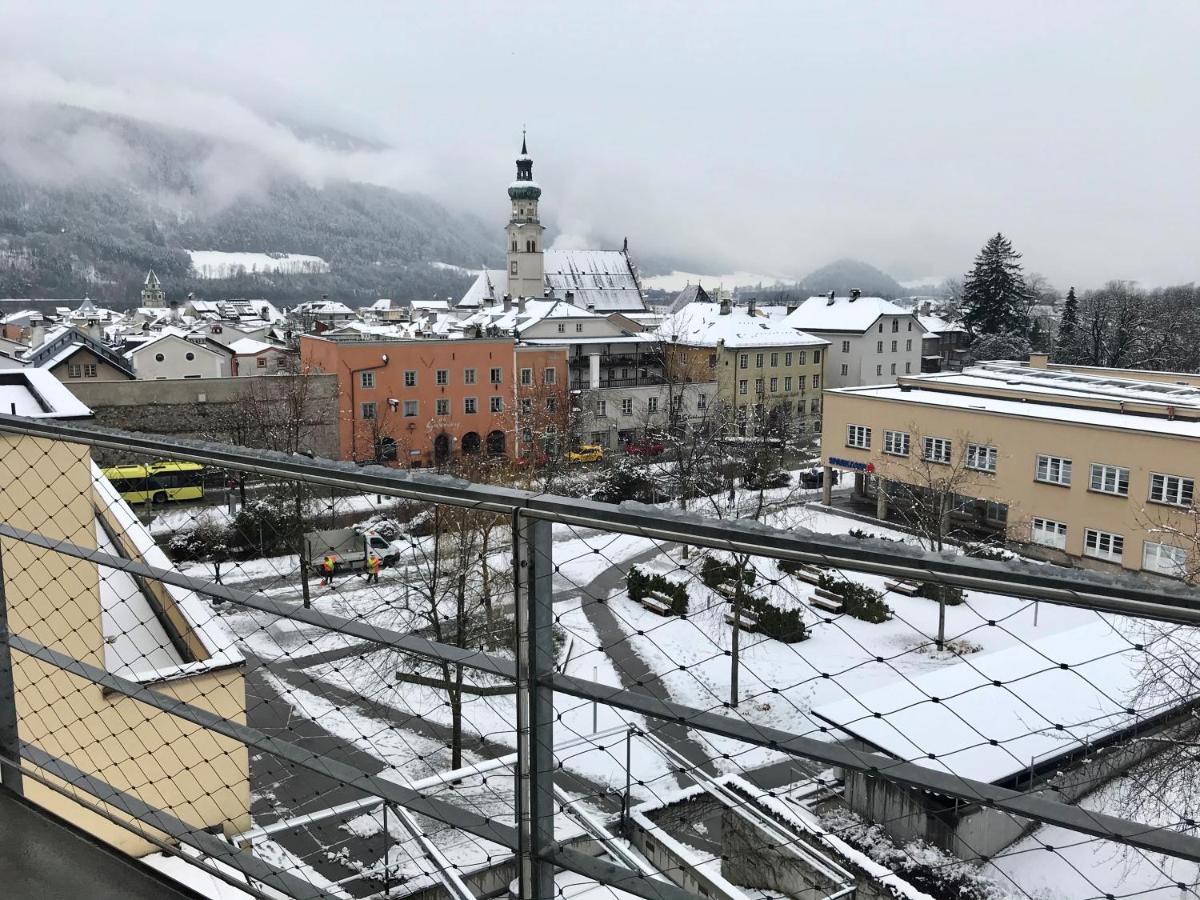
(354, 545)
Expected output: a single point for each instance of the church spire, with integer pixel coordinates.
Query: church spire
(524, 152)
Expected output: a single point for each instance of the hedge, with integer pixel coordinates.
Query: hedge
(640, 583)
(949, 594)
(714, 573)
(859, 600)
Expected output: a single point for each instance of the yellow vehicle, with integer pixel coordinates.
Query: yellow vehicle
(158, 482)
(587, 453)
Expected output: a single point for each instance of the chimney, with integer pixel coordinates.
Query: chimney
(591, 307)
(831, 297)
(507, 302)
(855, 293)
(1039, 360)
(37, 335)
(791, 308)
(548, 293)
(521, 304)
(750, 306)
(571, 298)
(926, 308)
(724, 306)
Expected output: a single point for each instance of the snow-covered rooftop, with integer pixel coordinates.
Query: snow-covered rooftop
(703, 324)
(250, 347)
(938, 325)
(36, 393)
(843, 314)
(1038, 711)
(603, 279)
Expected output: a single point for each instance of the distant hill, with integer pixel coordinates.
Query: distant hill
(840, 276)
(89, 202)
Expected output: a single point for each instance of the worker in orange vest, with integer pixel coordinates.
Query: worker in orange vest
(372, 569)
(328, 564)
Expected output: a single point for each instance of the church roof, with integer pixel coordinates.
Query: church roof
(601, 278)
(693, 293)
(151, 279)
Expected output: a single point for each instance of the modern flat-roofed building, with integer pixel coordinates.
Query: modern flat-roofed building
(1088, 467)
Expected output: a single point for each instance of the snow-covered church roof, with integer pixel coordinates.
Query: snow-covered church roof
(602, 279)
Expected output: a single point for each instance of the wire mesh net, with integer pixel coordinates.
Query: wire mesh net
(319, 686)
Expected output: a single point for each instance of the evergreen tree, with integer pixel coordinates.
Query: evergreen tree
(995, 297)
(1068, 327)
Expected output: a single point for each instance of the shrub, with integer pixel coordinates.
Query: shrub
(714, 573)
(861, 535)
(639, 584)
(983, 551)
(859, 600)
(785, 625)
(206, 539)
(946, 593)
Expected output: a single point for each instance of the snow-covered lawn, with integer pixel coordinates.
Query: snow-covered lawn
(223, 264)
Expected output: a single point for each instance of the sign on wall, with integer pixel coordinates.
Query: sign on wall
(851, 464)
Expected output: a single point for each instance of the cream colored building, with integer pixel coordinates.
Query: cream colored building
(1089, 467)
(147, 632)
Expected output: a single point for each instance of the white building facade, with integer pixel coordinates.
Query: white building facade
(871, 340)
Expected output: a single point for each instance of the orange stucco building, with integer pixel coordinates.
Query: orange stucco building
(421, 402)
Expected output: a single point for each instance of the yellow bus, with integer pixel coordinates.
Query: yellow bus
(158, 482)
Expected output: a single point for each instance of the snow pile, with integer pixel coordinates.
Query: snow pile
(219, 264)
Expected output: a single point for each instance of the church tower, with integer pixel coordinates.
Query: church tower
(526, 275)
(153, 296)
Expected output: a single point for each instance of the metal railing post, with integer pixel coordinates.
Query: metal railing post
(10, 738)
(534, 566)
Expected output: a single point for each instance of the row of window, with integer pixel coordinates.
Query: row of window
(801, 357)
(562, 328)
(1173, 490)
(879, 369)
(651, 405)
(1156, 557)
(87, 370)
(444, 407)
(442, 377)
(760, 384)
(982, 457)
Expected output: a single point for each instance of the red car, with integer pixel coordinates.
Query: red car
(645, 447)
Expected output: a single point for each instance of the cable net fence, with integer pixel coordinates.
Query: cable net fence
(329, 686)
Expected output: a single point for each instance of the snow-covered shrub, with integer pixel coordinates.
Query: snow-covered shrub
(946, 593)
(206, 539)
(859, 601)
(714, 573)
(924, 866)
(785, 625)
(640, 584)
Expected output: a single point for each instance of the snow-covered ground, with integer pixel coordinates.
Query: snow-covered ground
(221, 264)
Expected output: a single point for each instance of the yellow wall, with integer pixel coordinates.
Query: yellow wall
(1019, 440)
(54, 600)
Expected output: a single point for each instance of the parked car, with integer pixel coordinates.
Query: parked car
(586, 453)
(646, 446)
(534, 459)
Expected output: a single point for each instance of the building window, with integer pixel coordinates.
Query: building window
(579, 328)
(497, 376)
(982, 457)
(550, 375)
(908, 345)
(189, 356)
(1109, 480)
(410, 378)
(845, 346)
(774, 385)
(816, 382)
(893, 368)
(908, 368)
(845, 369)
(787, 359)
(701, 401)
(443, 407)
(468, 376)
(1048, 533)
(562, 327)
(879, 370)
(758, 385)
(527, 376)
(1164, 559)
(712, 360)
(881, 327)
(816, 357)
(858, 436)
(442, 376)
(1172, 489)
(512, 267)
(744, 361)
(526, 406)
(260, 361)
(937, 450)
(74, 371)
(601, 409)
(89, 370)
(551, 404)
(802, 357)
(1053, 470)
(800, 382)
(894, 346)
(774, 360)
(627, 407)
(815, 407)
(368, 411)
(895, 325)
(158, 357)
(652, 404)
(787, 384)
(366, 380)
(758, 360)
(470, 405)
(879, 346)
(742, 387)
(496, 404)
(1103, 545)
(895, 443)
(411, 408)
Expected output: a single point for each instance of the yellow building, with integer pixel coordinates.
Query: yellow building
(1085, 466)
(143, 631)
(765, 371)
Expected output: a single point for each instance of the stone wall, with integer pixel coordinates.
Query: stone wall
(204, 408)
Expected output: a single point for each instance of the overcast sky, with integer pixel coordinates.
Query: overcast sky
(768, 137)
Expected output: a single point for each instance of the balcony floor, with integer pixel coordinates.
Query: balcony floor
(43, 857)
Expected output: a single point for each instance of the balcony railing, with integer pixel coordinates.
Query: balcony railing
(509, 700)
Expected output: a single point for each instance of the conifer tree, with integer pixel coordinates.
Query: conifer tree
(1068, 326)
(995, 297)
